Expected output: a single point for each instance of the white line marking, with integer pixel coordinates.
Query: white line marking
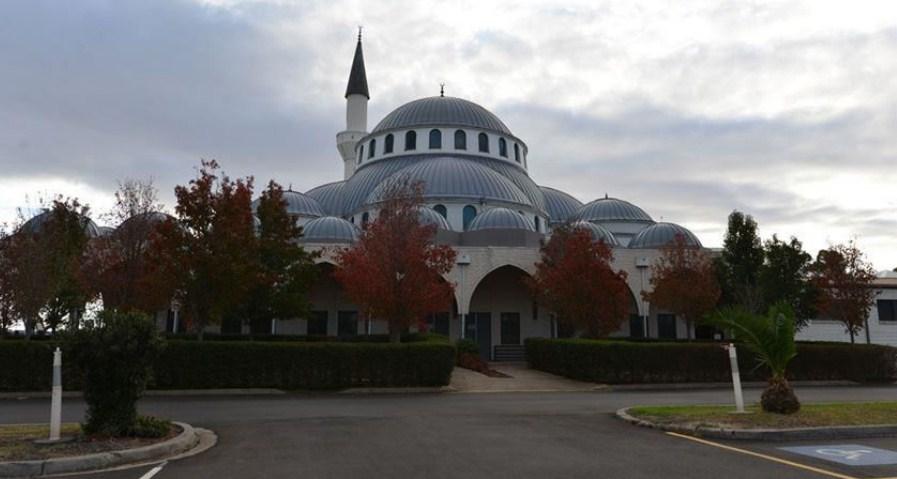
(152, 472)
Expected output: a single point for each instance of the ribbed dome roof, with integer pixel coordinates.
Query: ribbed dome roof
(37, 222)
(329, 229)
(441, 111)
(429, 216)
(299, 204)
(561, 206)
(142, 223)
(662, 234)
(501, 218)
(447, 177)
(612, 209)
(330, 197)
(598, 232)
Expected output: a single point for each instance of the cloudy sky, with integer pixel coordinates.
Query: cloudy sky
(785, 110)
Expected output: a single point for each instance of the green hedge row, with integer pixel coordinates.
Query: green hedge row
(27, 366)
(625, 362)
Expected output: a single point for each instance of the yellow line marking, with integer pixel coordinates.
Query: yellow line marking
(763, 456)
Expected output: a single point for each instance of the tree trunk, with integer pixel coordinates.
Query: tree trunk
(395, 334)
(779, 398)
(851, 335)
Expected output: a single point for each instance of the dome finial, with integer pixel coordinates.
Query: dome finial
(605, 195)
(442, 89)
(359, 32)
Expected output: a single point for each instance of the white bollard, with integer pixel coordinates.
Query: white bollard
(736, 378)
(56, 402)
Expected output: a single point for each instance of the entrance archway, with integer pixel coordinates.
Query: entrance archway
(503, 314)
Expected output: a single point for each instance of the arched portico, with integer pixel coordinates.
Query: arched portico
(502, 312)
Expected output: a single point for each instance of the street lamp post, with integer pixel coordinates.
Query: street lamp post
(175, 308)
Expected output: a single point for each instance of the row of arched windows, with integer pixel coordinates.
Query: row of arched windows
(435, 143)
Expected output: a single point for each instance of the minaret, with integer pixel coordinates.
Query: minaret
(357, 97)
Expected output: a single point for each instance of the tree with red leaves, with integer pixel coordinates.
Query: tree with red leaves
(116, 267)
(683, 281)
(394, 271)
(575, 280)
(844, 281)
(209, 249)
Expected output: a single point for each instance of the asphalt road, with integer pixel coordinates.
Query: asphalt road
(464, 435)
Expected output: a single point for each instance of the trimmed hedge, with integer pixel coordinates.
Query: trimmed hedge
(626, 362)
(27, 366)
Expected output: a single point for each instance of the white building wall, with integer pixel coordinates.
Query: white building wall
(880, 332)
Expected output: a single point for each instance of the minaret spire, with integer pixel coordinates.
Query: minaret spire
(358, 80)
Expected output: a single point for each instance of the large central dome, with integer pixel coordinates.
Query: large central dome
(441, 111)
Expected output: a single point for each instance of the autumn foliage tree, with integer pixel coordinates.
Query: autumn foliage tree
(844, 279)
(394, 271)
(575, 280)
(116, 267)
(208, 250)
(283, 271)
(683, 281)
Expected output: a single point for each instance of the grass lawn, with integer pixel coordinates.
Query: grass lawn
(17, 442)
(810, 415)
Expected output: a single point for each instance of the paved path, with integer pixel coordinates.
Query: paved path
(520, 435)
(522, 379)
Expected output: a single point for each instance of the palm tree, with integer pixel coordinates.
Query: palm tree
(771, 338)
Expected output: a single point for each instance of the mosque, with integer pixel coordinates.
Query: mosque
(478, 193)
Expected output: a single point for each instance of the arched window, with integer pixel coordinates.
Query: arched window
(516, 153)
(387, 144)
(372, 147)
(538, 223)
(441, 210)
(460, 140)
(469, 214)
(364, 219)
(502, 147)
(360, 153)
(483, 139)
(435, 139)
(410, 141)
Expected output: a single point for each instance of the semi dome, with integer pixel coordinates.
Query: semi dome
(441, 111)
(37, 222)
(501, 219)
(598, 232)
(141, 224)
(448, 177)
(612, 209)
(330, 197)
(299, 204)
(429, 216)
(662, 234)
(561, 206)
(329, 229)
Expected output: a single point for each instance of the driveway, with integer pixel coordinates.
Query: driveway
(519, 435)
(520, 379)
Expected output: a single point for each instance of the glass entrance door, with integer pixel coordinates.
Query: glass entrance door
(510, 328)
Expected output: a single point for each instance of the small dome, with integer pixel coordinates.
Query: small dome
(429, 216)
(441, 111)
(561, 206)
(330, 197)
(612, 209)
(501, 219)
(141, 220)
(329, 229)
(662, 234)
(450, 178)
(598, 232)
(299, 204)
(37, 222)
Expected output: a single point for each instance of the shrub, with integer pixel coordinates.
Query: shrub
(150, 427)
(623, 362)
(187, 364)
(115, 357)
(300, 365)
